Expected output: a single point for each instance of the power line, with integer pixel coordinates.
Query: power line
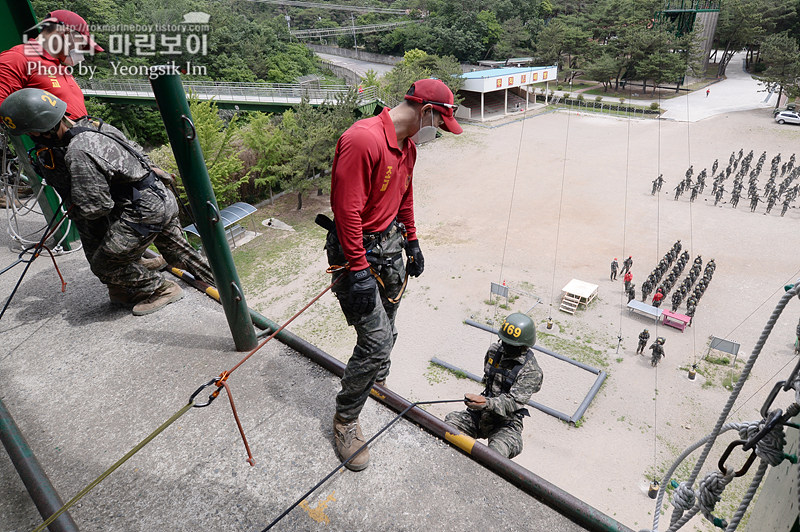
(339, 7)
(347, 30)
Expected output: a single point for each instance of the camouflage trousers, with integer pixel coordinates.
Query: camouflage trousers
(504, 434)
(114, 254)
(375, 331)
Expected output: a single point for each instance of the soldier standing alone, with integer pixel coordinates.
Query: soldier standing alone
(614, 267)
(644, 336)
(511, 375)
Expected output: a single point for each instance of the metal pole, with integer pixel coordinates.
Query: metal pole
(40, 489)
(171, 99)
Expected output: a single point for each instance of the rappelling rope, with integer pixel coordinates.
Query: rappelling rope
(510, 211)
(677, 512)
(558, 225)
(625, 227)
(138, 447)
(364, 446)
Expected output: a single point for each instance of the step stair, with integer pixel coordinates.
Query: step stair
(569, 304)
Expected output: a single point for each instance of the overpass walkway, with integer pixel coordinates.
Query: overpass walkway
(267, 97)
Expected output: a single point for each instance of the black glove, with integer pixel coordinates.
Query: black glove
(361, 298)
(416, 262)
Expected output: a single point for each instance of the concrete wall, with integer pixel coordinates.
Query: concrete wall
(708, 20)
(776, 508)
(351, 77)
(356, 54)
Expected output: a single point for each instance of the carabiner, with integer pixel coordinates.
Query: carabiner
(745, 467)
(210, 397)
(771, 398)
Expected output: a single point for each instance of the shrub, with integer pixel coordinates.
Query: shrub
(560, 87)
(581, 97)
(654, 106)
(598, 98)
(621, 101)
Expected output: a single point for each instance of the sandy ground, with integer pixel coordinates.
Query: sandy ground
(538, 202)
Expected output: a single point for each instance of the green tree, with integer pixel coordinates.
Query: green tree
(264, 137)
(603, 69)
(782, 56)
(221, 148)
(309, 143)
(417, 64)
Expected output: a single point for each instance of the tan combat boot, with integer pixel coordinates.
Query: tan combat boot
(154, 264)
(120, 296)
(349, 439)
(381, 382)
(168, 293)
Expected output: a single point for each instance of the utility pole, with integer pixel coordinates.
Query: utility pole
(353, 24)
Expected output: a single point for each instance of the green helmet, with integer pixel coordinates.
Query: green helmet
(518, 329)
(31, 111)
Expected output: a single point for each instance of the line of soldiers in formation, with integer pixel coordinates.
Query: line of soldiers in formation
(773, 193)
(655, 276)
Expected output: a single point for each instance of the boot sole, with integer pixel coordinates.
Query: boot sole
(173, 299)
(355, 467)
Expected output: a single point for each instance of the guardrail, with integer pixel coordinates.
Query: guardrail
(229, 91)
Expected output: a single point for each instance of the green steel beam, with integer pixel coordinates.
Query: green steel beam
(15, 18)
(40, 489)
(174, 108)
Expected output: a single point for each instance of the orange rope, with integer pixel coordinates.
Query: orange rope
(221, 381)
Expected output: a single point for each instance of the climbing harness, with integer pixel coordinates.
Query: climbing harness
(343, 464)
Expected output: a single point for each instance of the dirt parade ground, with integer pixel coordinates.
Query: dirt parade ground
(535, 203)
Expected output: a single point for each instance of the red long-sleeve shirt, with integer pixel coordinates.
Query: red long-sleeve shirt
(371, 184)
(29, 66)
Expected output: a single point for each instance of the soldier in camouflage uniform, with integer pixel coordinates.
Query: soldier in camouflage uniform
(643, 337)
(118, 202)
(511, 376)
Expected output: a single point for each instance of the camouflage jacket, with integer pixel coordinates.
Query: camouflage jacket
(95, 163)
(528, 381)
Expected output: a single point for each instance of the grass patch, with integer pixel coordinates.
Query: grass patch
(577, 350)
(436, 374)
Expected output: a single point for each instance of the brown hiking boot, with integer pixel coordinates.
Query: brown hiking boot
(120, 296)
(168, 293)
(349, 439)
(154, 264)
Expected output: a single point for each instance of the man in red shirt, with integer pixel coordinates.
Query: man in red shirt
(47, 63)
(373, 206)
(657, 297)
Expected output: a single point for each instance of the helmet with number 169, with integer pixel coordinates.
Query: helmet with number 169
(518, 329)
(31, 111)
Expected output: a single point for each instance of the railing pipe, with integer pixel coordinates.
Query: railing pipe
(39, 488)
(171, 99)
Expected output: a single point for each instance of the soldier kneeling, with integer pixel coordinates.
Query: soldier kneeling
(511, 376)
(116, 199)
